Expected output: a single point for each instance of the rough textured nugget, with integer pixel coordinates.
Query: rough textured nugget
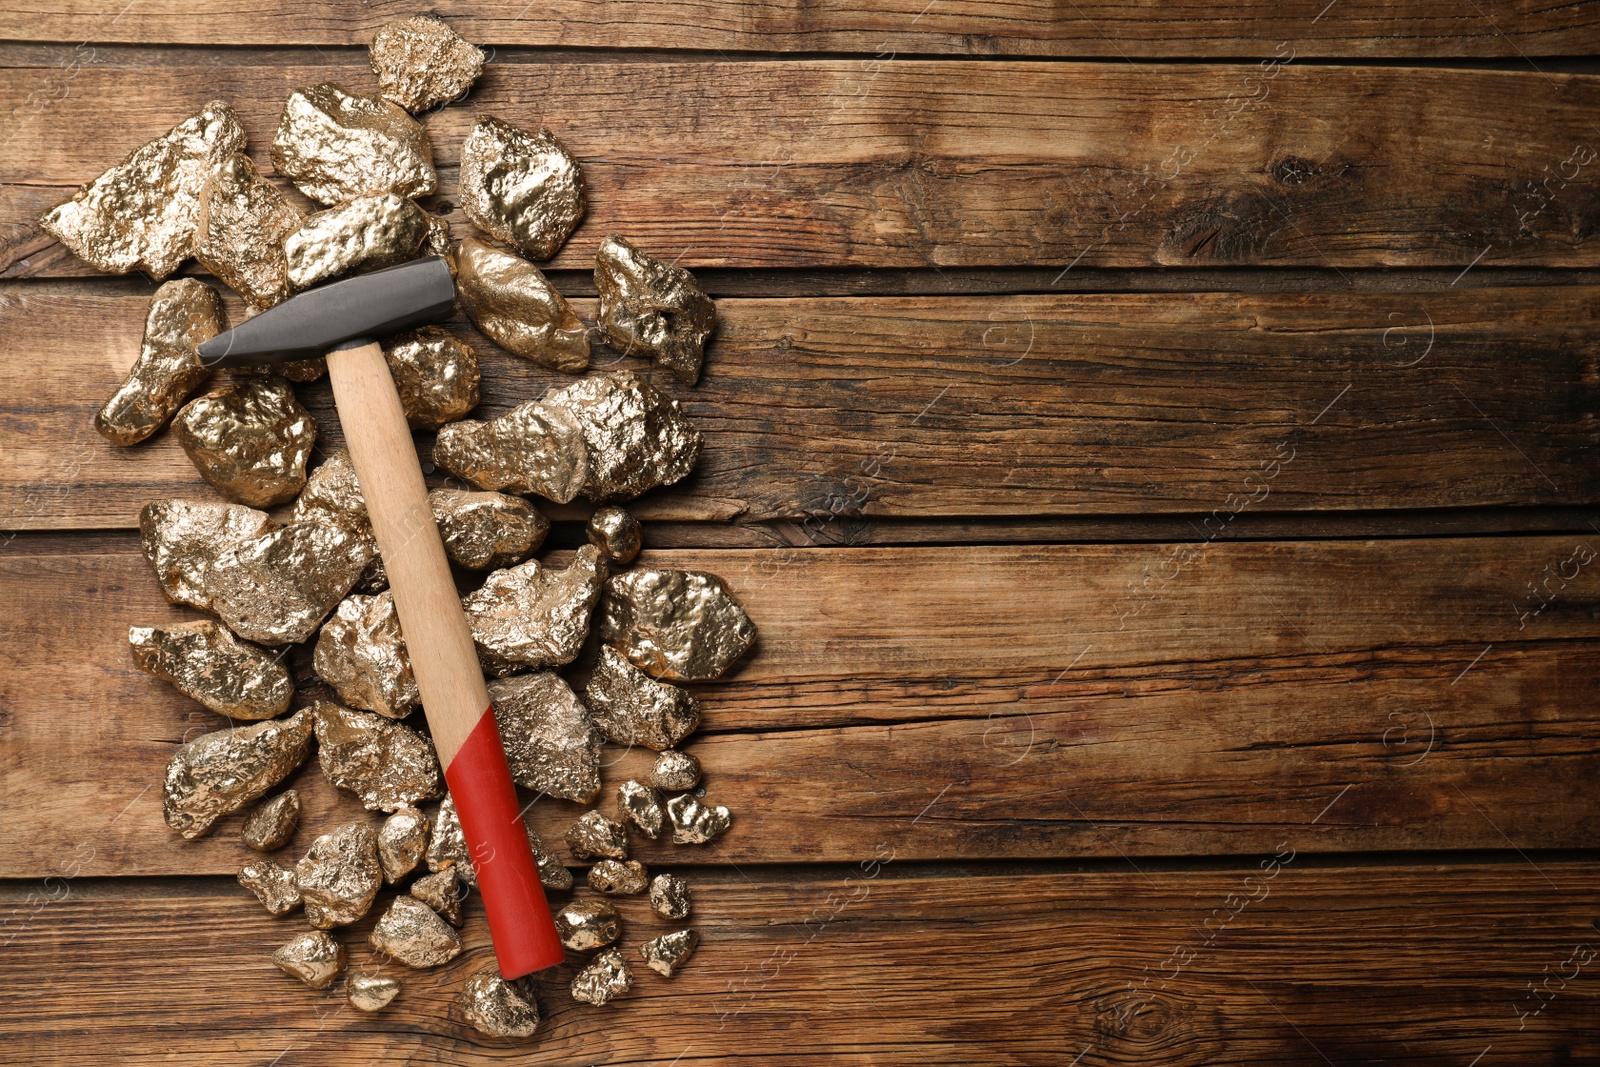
(680, 625)
(140, 214)
(273, 886)
(595, 837)
(442, 892)
(387, 764)
(314, 957)
(618, 878)
(183, 313)
(529, 449)
(667, 953)
(277, 587)
(205, 661)
(361, 653)
(180, 538)
(551, 745)
(616, 534)
(694, 823)
(498, 1008)
(675, 771)
(637, 436)
(272, 822)
(531, 616)
(487, 530)
(370, 992)
(402, 841)
(652, 308)
(414, 934)
(632, 708)
(447, 845)
(339, 876)
(333, 494)
(522, 189)
(219, 773)
(669, 896)
(436, 374)
(239, 231)
(642, 806)
(336, 145)
(585, 925)
(421, 63)
(358, 235)
(518, 309)
(251, 440)
(606, 977)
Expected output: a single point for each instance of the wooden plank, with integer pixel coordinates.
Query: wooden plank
(884, 965)
(826, 411)
(914, 163)
(1019, 27)
(997, 702)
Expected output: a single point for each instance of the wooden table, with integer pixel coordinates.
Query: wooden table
(1156, 443)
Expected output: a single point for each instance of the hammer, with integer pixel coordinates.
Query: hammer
(341, 319)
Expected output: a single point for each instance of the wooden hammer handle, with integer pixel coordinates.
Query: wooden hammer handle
(443, 658)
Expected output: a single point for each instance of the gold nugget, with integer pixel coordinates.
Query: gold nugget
(251, 440)
(632, 708)
(273, 822)
(219, 773)
(585, 925)
(370, 992)
(606, 977)
(652, 308)
(551, 745)
(669, 896)
(436, 374)
(361, 653)
(273, 886)
(530, 449)
(277, 587)
(642, 806)
(694, 823)
(239, 232)
(402, 841)
(333, 494)
(637, 436)
(359, 235)
(183, 313)
(204, 661)
(421, 63)
(522, 189)
(531, 616)
(180, 538)
(616, 534)
(512, 303)
(498, 1008)
(682, 625)
(667, 953)
(140, 214)
(386, 764)
(675, 771)
(618, 878)
(336, 145)
(339, 876)
(447, 845)
(442, 892)
(594, 837)
(314, 957)
(414, 934)
(483, 531)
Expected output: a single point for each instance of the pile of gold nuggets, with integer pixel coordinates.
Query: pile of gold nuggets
(314, 572)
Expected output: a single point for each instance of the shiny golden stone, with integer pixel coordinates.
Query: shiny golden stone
(680, 625)
(277, 587)
(140, 214)
(694, 823)
(438, 242)
(551, 746)
(239, 231)
(204, 661)
(594, 837)
(667, 953)
(530, 449)
(632, 708)
(359, 235)
(339, 876)
(183, 313)
(637, 436)
(333, 494)
(180, 538)
(652, 308)
(414, 934)
(386, 764)
(642, 806)
(616, 534)
(370, 992)
(251, 440)
(314, 957)
(553, 874)
(219, 773)
(421, 63)
(618, 878)
(361, 653)
(273, 886)
(669, 896)
(606, 977)
(447, 845)
(402, 841)
(511, 302)
(520, 188)
(498, 1008)
(585, 925)
(443, 892)
(273, 822)
(531, 616)
(487, 530)
(675, 771)
(436, 374)
(336, 145)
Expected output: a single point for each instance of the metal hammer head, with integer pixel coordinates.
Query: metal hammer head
(311, 323)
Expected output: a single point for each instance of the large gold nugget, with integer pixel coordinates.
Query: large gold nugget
(520, 188)
(339, 876)
(219, 773)
(484, 531)
(498, 1008)
(386, 764)
(362, 654)
(336, 145)
(314, 957)
(239, 232)
(421, 63)
(436, 374)
(360, 235)
(276, 588)
(250, 440)
(551, 745)
(681, 625)
(415, 934)
(402, 842)
(518, 309)
(529, 449)
(531, 616)
(637, 436)
(652, 308)
(181, 538)
(183, 313)
(333, 494)
(205, 661)
(140, 214)
(607, 976)
(632, 708)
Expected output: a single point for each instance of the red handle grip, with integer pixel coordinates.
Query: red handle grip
(486, 800)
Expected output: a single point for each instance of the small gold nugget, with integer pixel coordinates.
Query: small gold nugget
(652, 308)
(402, 841)
(637, 436)
(669, 896)
(339, 876)
(272, 822)
(498, 1008)
(337, 145)
(442, 892)
(529, 449)
(616, 534)
(606, 977)
(675, 771)
(518, 309)
(421, 63)
(595, 837)
(694, 823)
(333, 494)
(618, 878)
(585, 925)
(522, 189)
(642, 806)
(667, 953)
(251, 440)
(370, 992)
(314, 957)
(551, 745)
(273, 886)
(183, 313)
(277, 587)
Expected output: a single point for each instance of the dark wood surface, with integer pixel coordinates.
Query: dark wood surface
(1071, 736)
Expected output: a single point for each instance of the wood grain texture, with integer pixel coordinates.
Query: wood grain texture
(1016, 27)
(827, 411)
(913, 163)
(1096, 700)
(883, 965)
